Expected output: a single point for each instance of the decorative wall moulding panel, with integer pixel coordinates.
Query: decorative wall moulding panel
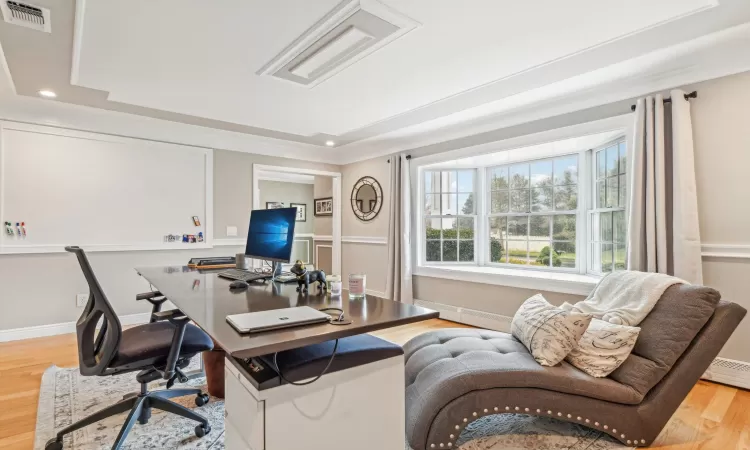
(725, 250)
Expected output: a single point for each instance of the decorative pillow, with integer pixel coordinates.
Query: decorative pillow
(603, 347)
(547, 331)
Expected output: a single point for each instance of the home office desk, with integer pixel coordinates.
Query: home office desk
(365, 399)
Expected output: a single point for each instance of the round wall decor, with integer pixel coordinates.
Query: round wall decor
(367, 198)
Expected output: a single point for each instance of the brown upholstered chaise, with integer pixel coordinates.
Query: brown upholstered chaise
(456, 376)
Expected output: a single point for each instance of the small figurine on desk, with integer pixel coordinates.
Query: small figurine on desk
(305, 277)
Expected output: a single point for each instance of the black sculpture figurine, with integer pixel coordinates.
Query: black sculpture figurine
(305, 277)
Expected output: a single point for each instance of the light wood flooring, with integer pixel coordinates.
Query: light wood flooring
(713, 416)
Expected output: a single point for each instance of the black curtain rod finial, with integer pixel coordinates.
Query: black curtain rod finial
(389, 159)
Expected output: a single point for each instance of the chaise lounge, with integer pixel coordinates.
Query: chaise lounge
(456, 376)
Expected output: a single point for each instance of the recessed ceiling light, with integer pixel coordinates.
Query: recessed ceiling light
(330, 143)
(47, 93)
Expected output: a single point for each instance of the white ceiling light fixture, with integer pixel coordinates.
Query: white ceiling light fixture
(330, 143)
(345, 35)
(46, 93)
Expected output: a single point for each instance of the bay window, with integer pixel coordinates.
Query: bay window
(559, 208)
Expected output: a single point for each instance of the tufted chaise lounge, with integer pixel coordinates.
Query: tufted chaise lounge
(456, 376)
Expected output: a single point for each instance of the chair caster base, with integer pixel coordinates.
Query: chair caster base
(53, 444)
(200, 430)
(201, 399)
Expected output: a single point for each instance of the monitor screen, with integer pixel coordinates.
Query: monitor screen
(271, 234)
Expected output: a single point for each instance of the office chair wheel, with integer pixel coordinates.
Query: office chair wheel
(200, 400)
(53, 444)
(200, 430)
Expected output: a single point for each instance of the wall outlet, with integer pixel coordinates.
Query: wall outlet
(231, 231)
(81, 300)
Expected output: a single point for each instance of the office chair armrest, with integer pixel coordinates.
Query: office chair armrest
(156, 299)
(180, 321)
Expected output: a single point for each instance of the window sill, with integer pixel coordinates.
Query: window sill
(567, 283)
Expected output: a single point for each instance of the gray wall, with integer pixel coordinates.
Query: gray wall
(722, 155)
(288, 193)
(322, 188)
(28, 300)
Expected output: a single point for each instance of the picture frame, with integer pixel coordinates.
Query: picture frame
(301, 211)
(275, 205)
(323, 207)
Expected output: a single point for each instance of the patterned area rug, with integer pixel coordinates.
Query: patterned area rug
(66, 396)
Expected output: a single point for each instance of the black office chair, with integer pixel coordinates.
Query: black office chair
(159, 349)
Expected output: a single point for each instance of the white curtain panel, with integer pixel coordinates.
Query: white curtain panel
(663, 210)
(398, 284)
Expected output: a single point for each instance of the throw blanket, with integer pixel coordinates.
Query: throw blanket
(624, 297)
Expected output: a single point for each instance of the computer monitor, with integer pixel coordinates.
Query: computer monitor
(271, 234)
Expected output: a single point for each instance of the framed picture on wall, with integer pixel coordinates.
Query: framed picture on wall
(301, 211)
(274, 205)
(323, 207)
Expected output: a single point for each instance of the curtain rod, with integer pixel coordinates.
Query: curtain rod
(407, 157)
(693, 94)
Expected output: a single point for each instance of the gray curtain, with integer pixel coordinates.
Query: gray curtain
(398, 284)
(663, 229)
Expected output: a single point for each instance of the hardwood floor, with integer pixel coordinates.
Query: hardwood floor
(712, 417)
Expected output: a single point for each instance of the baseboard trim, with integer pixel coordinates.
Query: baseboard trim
(729, 371)
(54, 329)
(473, 317)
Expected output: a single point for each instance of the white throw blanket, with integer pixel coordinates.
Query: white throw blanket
(624, 297)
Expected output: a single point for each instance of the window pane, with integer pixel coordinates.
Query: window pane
(601, 164)
(448, 181)
(605, 227)
(564, 227)
(623, 157)
(619, 226)
(613, 192)
(432, 251)
(612, 157)
(519, 176)
(623, 191)
(601, 194)
(449, 229)
(432, 228)
(518, 252)
(465, 181)
(539, 228)
(466, 228)
(518, 227)
(465, 251)
(432, 204)
(466, 204)
(428, 182)
(565, 253)
(541, 173)
(541, 199)
(519, 201)
(499, 202)
(606, 257)
(498, 178)
(450, 250)
(448, 204)
(566, 197)
(498, 228)
(497, 251)
(566, 170)
(620, 256)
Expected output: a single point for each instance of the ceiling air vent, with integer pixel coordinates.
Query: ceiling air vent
(347, 34)
(26, 15)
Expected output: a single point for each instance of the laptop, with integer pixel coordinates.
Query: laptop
(255, 322)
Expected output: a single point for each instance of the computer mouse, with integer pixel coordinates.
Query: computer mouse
(239, 284)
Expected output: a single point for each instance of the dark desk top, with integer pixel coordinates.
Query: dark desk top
(206, 299)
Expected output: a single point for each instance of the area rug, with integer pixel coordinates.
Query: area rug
(66, 396)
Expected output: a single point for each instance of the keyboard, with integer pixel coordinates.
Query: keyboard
(244, 275)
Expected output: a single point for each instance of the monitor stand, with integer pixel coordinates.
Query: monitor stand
(275, 270)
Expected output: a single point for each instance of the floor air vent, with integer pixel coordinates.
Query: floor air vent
(26, 15)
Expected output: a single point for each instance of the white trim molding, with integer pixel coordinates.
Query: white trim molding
(482, 319)
(323, 237)
(54, 329)
(567, 283)
(364, 240)
(725, 250)
(729, 371)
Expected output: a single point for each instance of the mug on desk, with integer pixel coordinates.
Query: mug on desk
(241, 261)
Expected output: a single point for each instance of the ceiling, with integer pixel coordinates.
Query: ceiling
(455, 63)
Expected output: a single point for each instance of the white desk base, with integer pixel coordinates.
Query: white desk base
(360, 408)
